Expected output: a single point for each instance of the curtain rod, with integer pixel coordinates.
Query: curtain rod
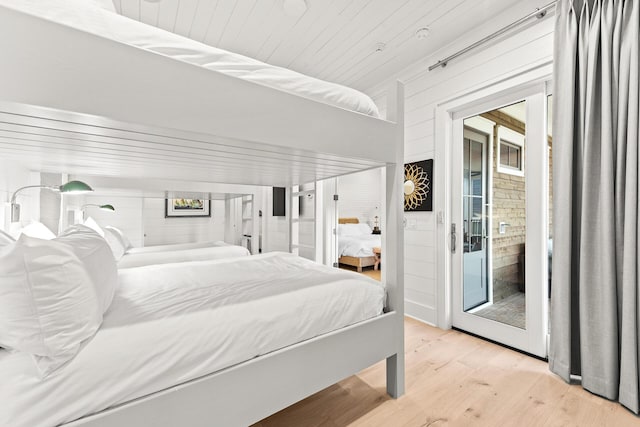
(539, 13)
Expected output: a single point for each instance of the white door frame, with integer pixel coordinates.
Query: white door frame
(528, 80)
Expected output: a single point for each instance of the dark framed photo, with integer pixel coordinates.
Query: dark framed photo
(418, 186)
(187, 208)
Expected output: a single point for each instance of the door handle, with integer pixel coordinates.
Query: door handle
(454, 237)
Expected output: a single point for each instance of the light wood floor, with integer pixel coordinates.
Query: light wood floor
(374, 274)
(454, 379)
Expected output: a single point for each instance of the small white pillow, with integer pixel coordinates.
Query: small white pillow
(49, 308)
(92, 224)
(353, 229)
(6, 239)
(96, 257)
(36, 229)
(126, 244)
(117, 249)
(105, 4)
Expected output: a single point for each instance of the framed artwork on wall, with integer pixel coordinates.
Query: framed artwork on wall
(187, 208)
(418, 186)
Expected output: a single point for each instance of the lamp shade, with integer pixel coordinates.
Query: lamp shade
(108, 208)
(75, 187)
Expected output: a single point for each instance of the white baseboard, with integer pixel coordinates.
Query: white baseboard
(420, 312)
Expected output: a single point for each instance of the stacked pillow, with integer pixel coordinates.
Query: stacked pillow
(117, 234)
(354, 229)
(92, 224)
(118, 243)
(35, 229)
(5, 239)
(53, 294)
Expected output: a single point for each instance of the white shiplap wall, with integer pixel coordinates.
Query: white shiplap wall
(515, 53)
(159, 230)
(127, 216)
(360, 195)
(12, 177)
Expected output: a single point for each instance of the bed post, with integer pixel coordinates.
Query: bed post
(393, 239)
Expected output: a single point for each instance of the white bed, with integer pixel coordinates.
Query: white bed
(358, 245)
(177, 247)
(130, 260)
(124, 111)
(173, 323)
(81, 14)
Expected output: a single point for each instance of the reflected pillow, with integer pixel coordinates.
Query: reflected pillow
(49, 309)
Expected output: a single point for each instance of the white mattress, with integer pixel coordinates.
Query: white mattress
(83, 15)
(358, 246)
(199, 254)
(177, 247)
(172, 323)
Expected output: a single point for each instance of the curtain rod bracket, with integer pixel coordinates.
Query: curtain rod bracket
(539, 13)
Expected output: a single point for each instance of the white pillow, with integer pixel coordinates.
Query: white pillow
(92, 224)
(105, 4)
(36, 229)
(96, 257)
(126, 244)
(6, 239)
(117, 248)
(49, 309)
(353, 229)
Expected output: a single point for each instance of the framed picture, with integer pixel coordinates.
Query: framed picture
(418, 186)
(187, 208)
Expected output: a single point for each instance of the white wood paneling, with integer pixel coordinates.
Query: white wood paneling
(361, 196)
(127, 216)
(424, 91)
(14, 175)
(159, 230)
(334, 39)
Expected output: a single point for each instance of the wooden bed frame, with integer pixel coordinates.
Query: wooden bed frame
(105, 89)
(358, 262)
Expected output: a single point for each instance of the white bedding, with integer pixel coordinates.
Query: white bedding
(82, 14)
(130, 260)
(358, 246)
(177, 247)
(172, 323)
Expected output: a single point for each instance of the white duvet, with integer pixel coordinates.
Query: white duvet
(177, 247)
(358, 246)
(172, 323)
(84, 15)
(130, 260)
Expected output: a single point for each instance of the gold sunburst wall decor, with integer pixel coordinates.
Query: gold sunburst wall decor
(418, 182)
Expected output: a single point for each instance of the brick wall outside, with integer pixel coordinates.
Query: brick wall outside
(508, 249)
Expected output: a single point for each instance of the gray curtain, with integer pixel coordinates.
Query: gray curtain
(595, 309)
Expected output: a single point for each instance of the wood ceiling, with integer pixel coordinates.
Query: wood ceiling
(334, 40)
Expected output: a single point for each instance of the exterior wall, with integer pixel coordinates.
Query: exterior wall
(508, 249)
(520, 50)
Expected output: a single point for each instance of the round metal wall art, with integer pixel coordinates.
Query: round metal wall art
(417, 186)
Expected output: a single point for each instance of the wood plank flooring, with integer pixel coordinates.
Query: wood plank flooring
(454, 379)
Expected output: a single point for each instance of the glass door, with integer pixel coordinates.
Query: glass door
(474, 202)
(499, 205)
